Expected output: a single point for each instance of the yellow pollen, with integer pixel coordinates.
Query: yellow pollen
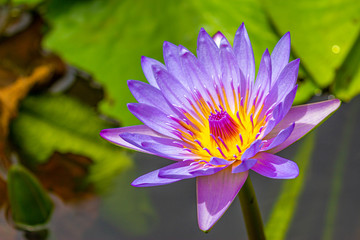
(224, 134)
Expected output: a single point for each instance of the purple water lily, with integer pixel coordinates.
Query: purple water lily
(216, 120)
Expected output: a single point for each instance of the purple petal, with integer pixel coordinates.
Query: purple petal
(219, 161)
(280, 56)
(208, 54)
(113, 135)
(273, 120)
(244, 54)
(173, 63)
(154, 118)
(152, 179)
(163, 147)
(168, 151)
(218, 37)
(145, 93)
(264, 75)
(179, 170)
(287, 103)
(284, 85)
(305, 117)
(273, 166)
(280, 138)
(215, 193)
(206, 170)
(244, 165)
(230, 74)
(263, 80)
(252, 150)
(173, 90)
(195, 72)
(147, 65)
(184, 170)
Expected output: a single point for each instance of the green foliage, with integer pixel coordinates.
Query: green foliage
(31, 206)
(284, 209)
(324, 32)
(50, 123)
(347, 80)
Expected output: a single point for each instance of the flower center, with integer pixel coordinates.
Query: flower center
(222, 126)
(224, 133)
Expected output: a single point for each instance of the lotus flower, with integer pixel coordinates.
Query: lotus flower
(216, 120)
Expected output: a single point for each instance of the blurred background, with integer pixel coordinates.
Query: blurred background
(63, 71)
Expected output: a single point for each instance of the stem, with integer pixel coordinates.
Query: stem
(251, 212)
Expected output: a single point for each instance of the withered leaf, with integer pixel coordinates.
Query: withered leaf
(65, 175)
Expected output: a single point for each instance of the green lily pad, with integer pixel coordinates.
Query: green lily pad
(323, 32)
(31, 206)
(347, 80)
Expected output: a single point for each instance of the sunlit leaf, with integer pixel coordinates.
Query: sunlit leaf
(30, 2)
(284, 209)
(347, 80)
(323, 32)
(31, 206)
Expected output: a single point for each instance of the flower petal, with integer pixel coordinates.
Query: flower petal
(305, 117)
(284, 85)
(150, 95)
(173, 63)
(263, 80)
(113, 135)
(152, 179)
(287, 103)
(280, 56)
(273, 120)
(215, 193)
(218, 37)
(199, 79)
(188, 169)
(153, 118)
(206, 170)
(280, 138)
(174, 91)
(147, 65)
(219, 161)
(244, 54)
(252, 150)
(230, 79)
(163, 147)
(264, 73)
(208, 54)
(179, 170)
(244, 165)
(273, 166)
